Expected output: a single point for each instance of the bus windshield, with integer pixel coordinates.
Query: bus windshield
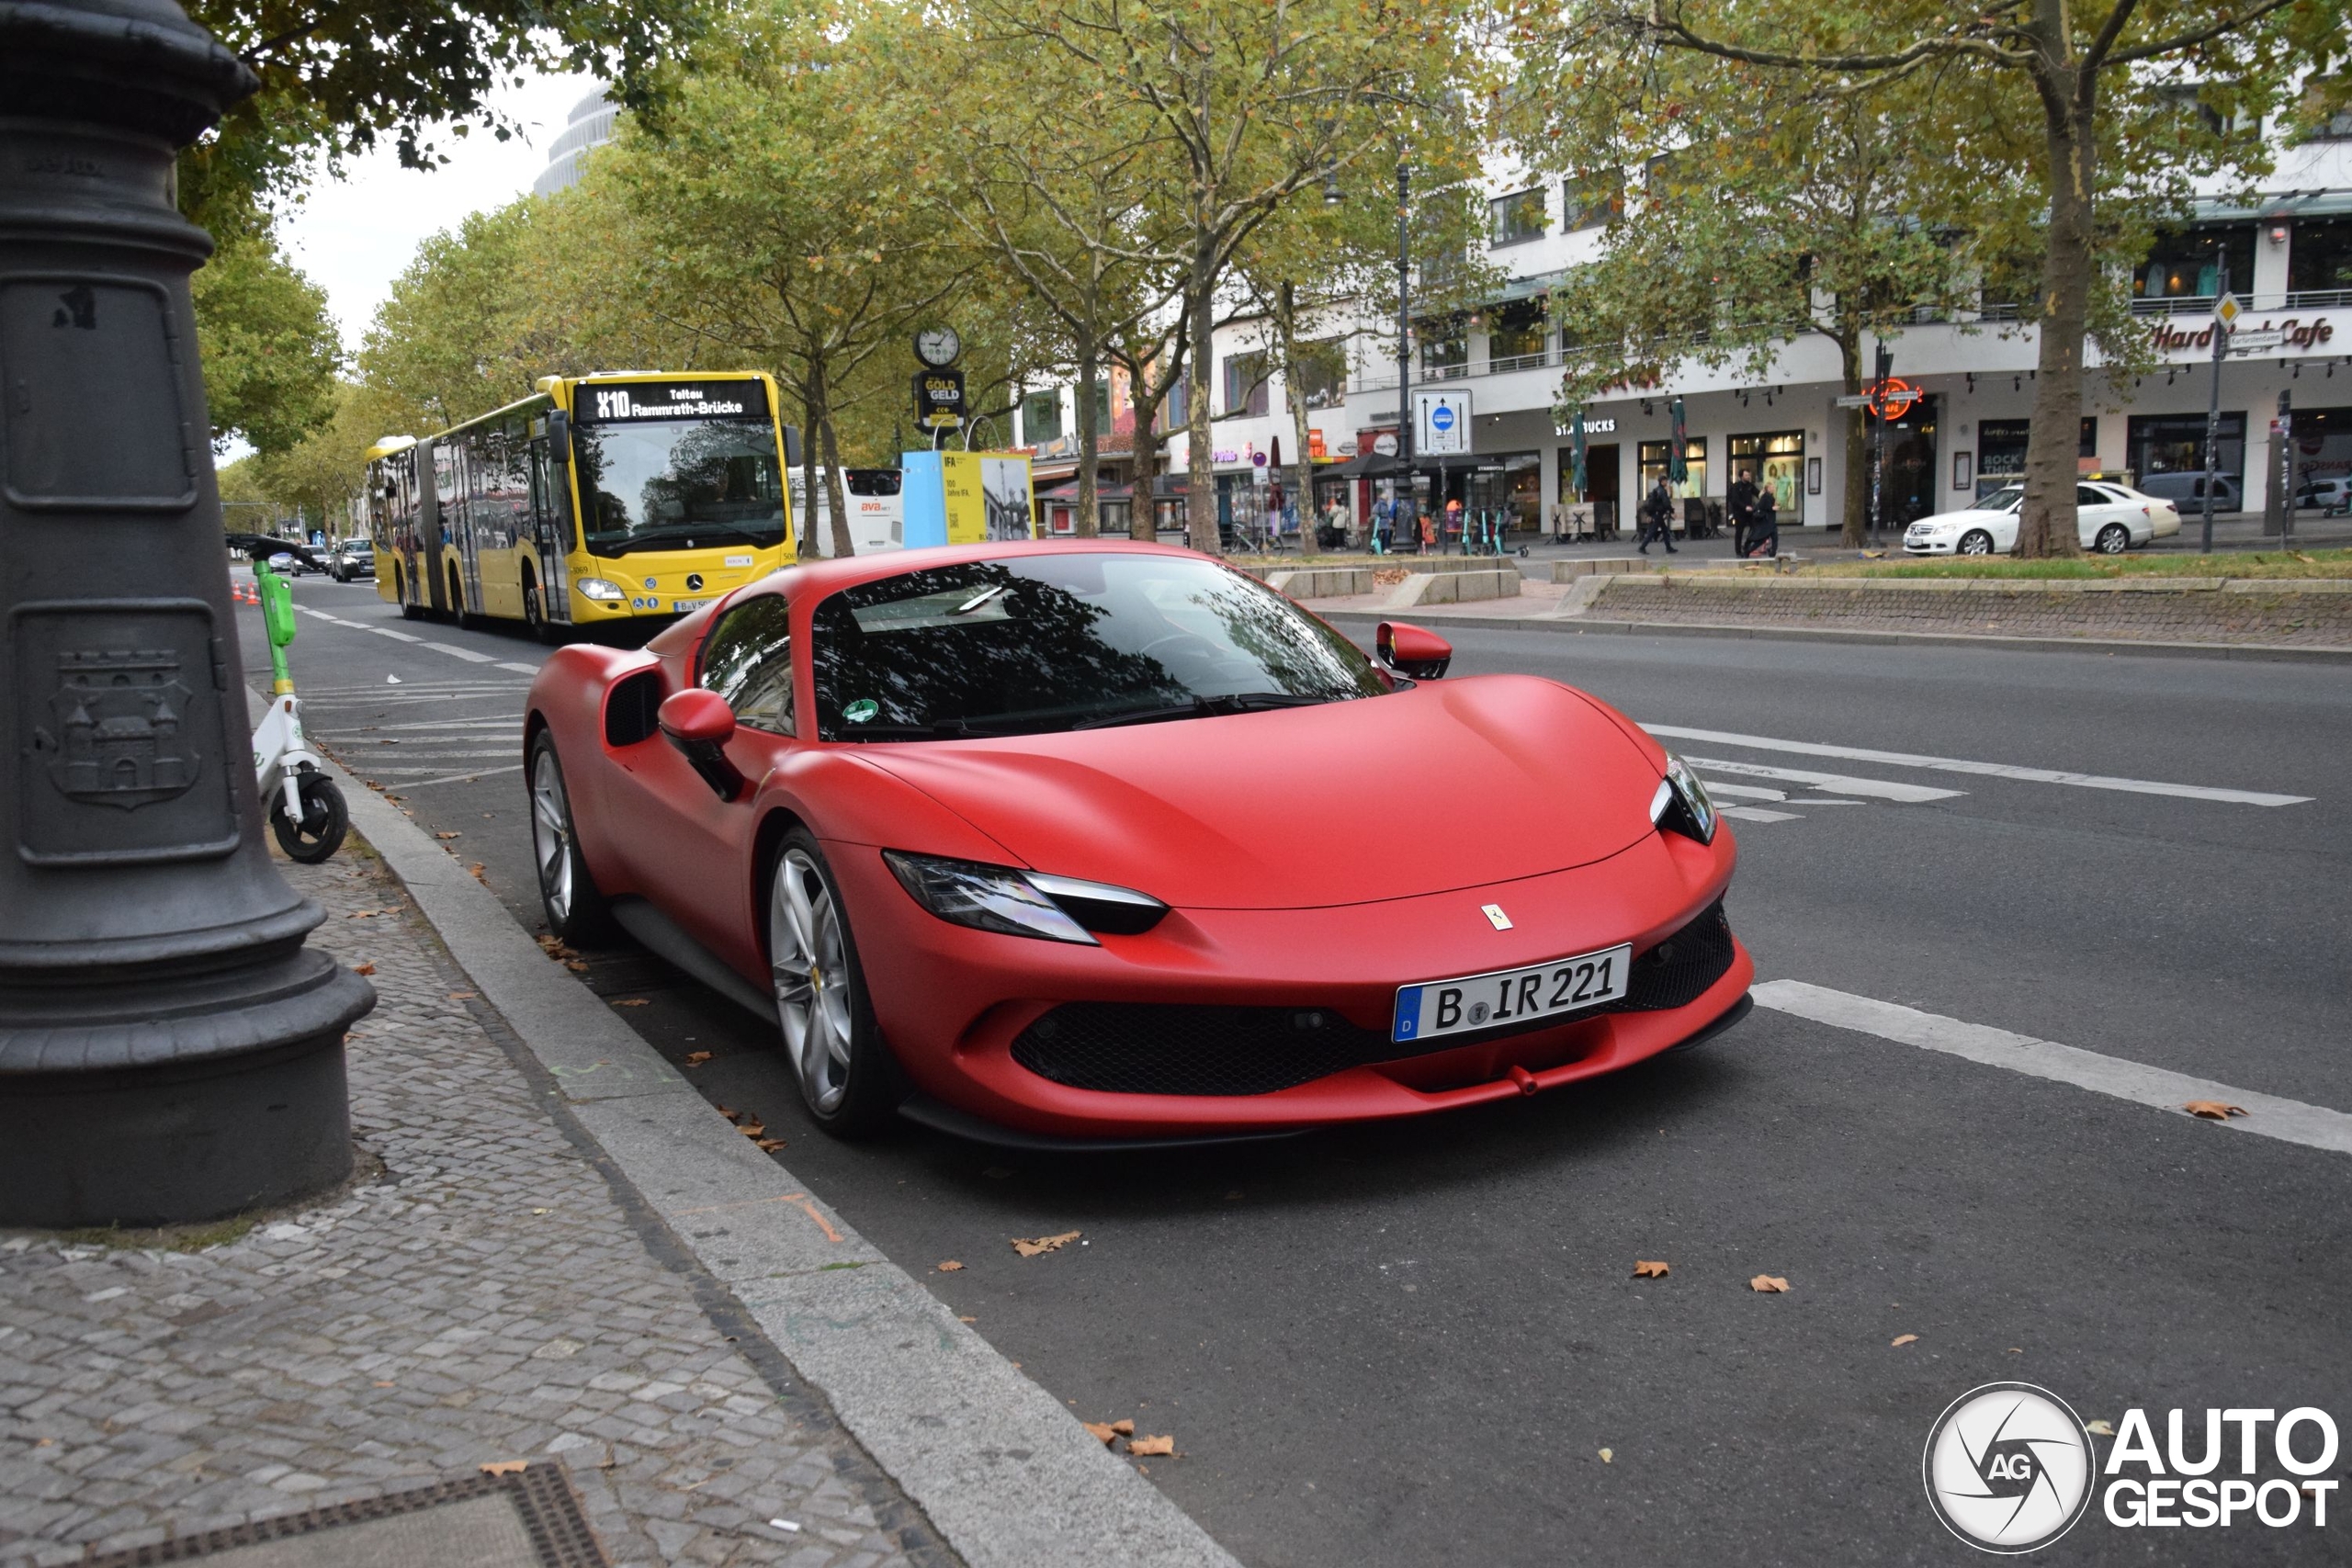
(677, 484)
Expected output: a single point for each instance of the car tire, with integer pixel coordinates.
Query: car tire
(848, 1078)
(1975, 542)
(2112, 540)
(576, 909)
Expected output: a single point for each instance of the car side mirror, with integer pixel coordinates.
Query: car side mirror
(1413, 652)
(698, 722)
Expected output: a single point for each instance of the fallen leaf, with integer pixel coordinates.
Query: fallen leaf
(385, 1382)
(1608, 1456)
(2213, 1109)
(950, 1267)
(1103, 1430)
(2104, 1428)
(363, 969)
(362, 915)
(629, 1001)
(1044, 1243)
(575, 965)
(1903, 1339)
(505, 1467)
(1152, 1448)
(448, 835)
(768, 1145)
(1125, 1426)
(968, 1320)
(696, 1058)
(476, 869)
(726, 1110)
(463, 995)
(752, 1129)
(1767, 1284)
(1649, 1268)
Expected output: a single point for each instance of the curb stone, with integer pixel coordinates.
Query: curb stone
(1007, 1475)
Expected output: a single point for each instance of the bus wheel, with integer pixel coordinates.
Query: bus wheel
(534, 612)
(410, 609)
(457, 610)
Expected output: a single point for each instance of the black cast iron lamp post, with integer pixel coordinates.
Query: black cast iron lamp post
(169, 1049)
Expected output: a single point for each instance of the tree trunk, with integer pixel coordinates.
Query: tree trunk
(1200, 483)
(1088, 438)
(812, 413)
(1143, 510)
(1855, 532)
(836, 497)
(1303, 464)
(2047, 523)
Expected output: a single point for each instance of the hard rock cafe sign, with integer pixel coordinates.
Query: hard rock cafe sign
(2295, 334)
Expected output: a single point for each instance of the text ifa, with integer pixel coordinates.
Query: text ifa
(2181, 1489)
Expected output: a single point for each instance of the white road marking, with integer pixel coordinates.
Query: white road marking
(1757, 814)
(1880, 789)
(454, 652)
(521, 669)
(433, 758)
(500, 722)
(396, 637)
(2267, 1115)
(456, 778)
(1988, 770)
(1746, 792)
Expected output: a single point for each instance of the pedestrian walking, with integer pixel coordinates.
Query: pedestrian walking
(1741, 499)
(1658, 519)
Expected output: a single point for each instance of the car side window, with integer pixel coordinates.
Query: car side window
(2086, 496)
(747, 660)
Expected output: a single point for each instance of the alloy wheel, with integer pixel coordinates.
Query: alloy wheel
(551, 834)
(810, 970)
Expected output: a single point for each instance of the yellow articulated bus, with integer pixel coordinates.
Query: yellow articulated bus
(598, 499)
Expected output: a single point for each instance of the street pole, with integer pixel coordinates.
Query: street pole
(169, 1049)
(2286, 478)
(1404, 342)
(2213, 402)
(1877, 443)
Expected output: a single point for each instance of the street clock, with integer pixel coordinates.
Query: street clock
(938, 347)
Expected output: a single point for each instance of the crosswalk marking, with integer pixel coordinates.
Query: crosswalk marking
(454, 652)
(1879, 789)
(396, 637)
(2267, 1115)
(1746, 792)
(521, 669)
(1987, 770)
(1759, 813)
(458, 778)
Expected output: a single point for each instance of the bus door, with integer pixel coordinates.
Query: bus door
(551, 529)
(425, 569)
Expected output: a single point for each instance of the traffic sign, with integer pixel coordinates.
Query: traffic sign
(2255, 342)
(2227, 311)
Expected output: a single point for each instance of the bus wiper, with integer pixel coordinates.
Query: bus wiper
(651, 536)
(1204, 708)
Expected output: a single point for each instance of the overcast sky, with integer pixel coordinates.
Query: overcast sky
(352, 236)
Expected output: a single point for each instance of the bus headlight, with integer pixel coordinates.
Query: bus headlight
(598, 589)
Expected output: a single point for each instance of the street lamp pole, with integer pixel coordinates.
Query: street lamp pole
(1404, 333)
(2213, 402)
(169, 1048)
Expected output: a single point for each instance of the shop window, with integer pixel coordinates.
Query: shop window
(1519, 217)
(2320, 258)
(1652, 456)
(1445, 348)
(1515, 334)
(1322, 372)
(1773, 462)
(2186, 263)
(2000, 449)
(1589, 200)
(2175, 443)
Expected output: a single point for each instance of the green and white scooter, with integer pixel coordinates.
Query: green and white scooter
(306, 810)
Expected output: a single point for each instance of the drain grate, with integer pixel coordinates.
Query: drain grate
(527, 1518)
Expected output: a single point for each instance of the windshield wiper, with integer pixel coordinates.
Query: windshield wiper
(1204, 708)
(649, 538)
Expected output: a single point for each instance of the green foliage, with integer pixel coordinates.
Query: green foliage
(270, 350)
(464, 329)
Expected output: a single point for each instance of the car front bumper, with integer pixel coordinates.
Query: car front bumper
(953, 1003)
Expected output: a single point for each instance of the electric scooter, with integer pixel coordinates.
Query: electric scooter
(306, 810)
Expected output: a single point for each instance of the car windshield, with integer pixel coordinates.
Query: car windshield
(1049, 642)
(2002, 500)
(674, 485)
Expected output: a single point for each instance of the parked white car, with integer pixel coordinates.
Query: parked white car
(2110, 519)
(2331, 496)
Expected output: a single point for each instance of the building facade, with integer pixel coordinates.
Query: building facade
(588, 127)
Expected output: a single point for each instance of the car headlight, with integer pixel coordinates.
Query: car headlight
(1681, 805)
(597, 588)
(1021, 903)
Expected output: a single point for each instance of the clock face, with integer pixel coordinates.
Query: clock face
(938, 346)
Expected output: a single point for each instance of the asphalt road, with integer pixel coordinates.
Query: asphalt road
(1410, 1345)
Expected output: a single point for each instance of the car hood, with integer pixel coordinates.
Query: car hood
(1449, 784)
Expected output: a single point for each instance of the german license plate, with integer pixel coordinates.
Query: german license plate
(683, 605)
(1561, 986)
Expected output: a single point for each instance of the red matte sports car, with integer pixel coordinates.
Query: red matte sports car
(1096, 842)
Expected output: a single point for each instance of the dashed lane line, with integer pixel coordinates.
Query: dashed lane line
(1880, 789)
(521, 669)
(2267, 1115)
(454, 778)
(1759, 813)
(1986, 770)
(396, 637)
(454, 652)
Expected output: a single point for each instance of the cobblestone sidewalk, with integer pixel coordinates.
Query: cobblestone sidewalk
(483, 1294)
